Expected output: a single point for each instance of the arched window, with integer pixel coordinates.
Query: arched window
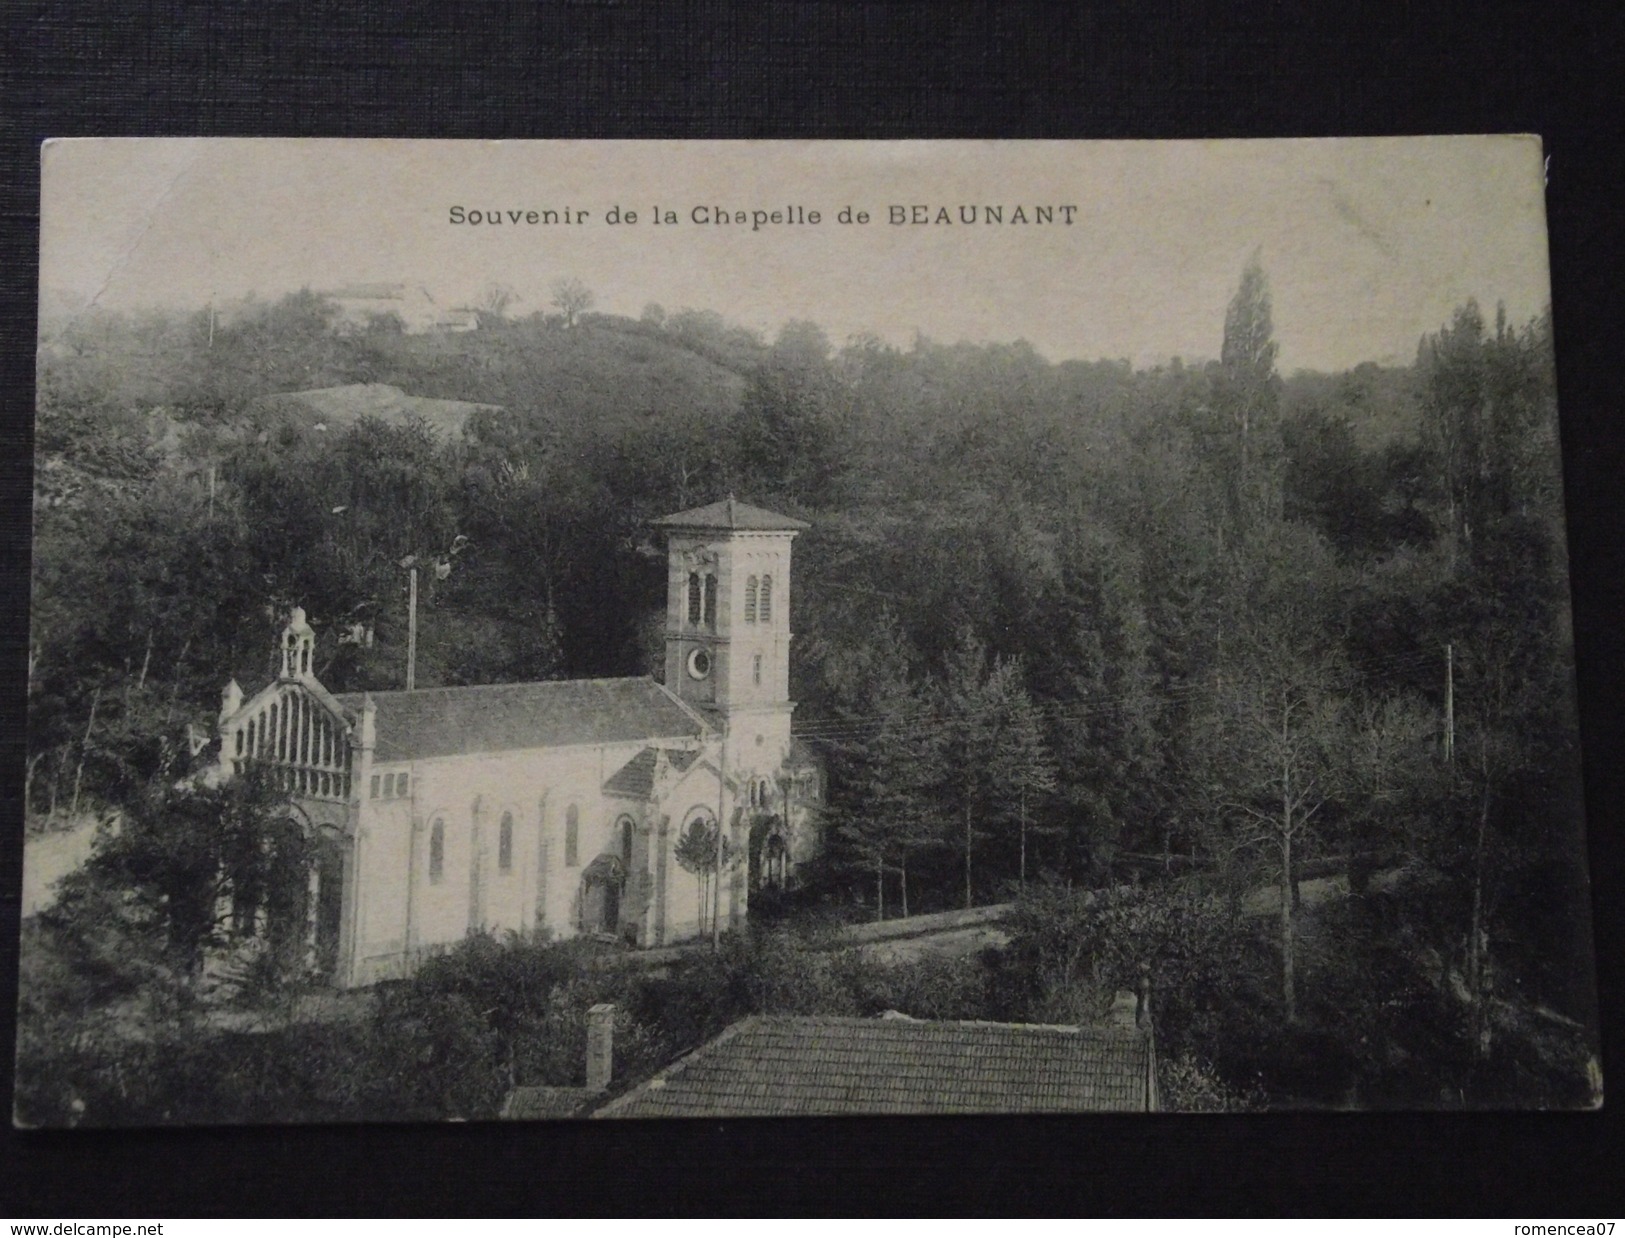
(505, 843)
(694, 597)
(572, 836)
(437, 851)
(756, 669)
(764, 603)
(764, 795)
(750, 600)
(710, 600)
(775, 861)
(627, 829)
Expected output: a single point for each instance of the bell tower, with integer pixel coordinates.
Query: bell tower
(298, 647)
(728, 623)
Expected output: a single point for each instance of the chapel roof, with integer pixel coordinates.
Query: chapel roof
(783, 1066)
(730, 513)
(440, 722)
(636, 779)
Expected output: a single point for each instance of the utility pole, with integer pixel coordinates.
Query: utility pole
(412, 631)
(1450, 703)
(722, 792)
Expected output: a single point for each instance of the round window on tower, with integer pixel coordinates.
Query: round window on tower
(699, 664)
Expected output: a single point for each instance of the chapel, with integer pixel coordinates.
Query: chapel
(567, 807)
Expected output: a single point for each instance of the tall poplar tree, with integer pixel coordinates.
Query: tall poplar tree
(1248, 394)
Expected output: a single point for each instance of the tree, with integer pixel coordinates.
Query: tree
(1395, 782)
(698, 852)
(1488, 413)
(886, 757)
(571, 298)
(790, 429)
(884, 811)
(973, 695)
(495, 301)
(192, 863)
(1488, 419)
(1106, 714)
(1247, 393)
(1023, 772)
(1071, 951)
(1274, 741)
(337, 520)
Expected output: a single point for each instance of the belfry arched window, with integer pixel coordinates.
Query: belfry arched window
(694, 597)
(750, 600)
(710, 600)
(764, 601)
(505, 843)
(572, 836)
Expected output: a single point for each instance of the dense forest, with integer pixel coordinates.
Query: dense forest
(1141, 647)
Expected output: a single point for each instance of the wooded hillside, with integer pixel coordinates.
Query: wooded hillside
(1063, 622)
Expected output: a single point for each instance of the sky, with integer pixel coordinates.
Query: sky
(1368, 243)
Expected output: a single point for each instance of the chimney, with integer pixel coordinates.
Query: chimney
(1125, 1011)
(1142, 1005)
(600, 1046)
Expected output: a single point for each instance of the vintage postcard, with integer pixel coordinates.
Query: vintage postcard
(563, 630)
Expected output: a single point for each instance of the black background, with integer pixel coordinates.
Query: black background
(602, 68)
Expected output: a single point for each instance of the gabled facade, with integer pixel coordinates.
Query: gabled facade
(558, 806)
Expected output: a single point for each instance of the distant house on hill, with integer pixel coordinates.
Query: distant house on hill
(340, 407)
(359, 304)
(808, 1066)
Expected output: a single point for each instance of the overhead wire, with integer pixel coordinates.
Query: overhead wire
(850, 727)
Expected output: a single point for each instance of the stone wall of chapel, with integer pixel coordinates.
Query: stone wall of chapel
(403, 910)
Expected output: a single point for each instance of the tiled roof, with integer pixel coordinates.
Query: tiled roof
(730, 513)
(439, 722)
(538, 1103)
(636, 779)
(769, 1066)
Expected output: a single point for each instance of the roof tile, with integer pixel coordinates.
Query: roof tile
(730, 513)
(797, 1066)
(438, 722)
(636, 779)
